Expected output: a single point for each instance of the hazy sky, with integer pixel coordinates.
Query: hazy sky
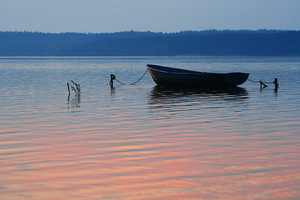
(98, 16)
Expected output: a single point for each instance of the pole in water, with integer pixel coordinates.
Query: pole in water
(68, 88)
(276, 84)
(111, 82)
(68, 91)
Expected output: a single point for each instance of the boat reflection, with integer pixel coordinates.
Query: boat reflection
(176, 99)
(168, 95)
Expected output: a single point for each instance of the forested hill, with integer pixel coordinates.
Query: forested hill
(131, 43)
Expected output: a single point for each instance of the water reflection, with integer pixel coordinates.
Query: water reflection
(74, 102)
(182, 98)
(160, 93)
(112, 90)
(146, 142)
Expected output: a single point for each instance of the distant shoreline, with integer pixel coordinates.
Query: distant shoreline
(131, 43)
(49, 57)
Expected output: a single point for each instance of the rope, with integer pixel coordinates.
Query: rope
(120, 81)
(140, 78)
(113, 77)
(260, 81)
(269, 82)
(253, 81)
(263, 84)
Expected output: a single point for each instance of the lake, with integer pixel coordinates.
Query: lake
(142, 141)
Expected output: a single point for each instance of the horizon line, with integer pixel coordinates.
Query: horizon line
(127, 31)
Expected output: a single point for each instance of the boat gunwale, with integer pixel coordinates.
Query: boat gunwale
(186, 72)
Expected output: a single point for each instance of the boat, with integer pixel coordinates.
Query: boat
(169, 76)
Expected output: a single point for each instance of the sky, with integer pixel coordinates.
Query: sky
(106, 16)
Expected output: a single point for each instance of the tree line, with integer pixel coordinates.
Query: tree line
(133, 43)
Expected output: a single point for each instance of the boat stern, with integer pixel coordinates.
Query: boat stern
(236, 78)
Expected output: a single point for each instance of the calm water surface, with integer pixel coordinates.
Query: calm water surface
(145, 142)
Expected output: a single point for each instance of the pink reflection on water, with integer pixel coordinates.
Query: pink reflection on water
(154, 161)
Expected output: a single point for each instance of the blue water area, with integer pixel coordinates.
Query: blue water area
(144, 141)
